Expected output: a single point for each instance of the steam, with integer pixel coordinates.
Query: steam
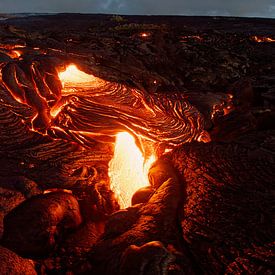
(263, 8)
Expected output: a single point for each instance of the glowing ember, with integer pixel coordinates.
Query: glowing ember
(16, 54)
(127, 170)
(73, 77)
(144, 34)
(224, 108)
(57, 190)
(262, 39)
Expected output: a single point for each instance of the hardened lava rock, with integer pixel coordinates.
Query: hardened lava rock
(9, 199)
(33, 228)
(142, 195)
(145, 239)
(14, 264)
(227, 216)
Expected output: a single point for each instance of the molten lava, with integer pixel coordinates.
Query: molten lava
(80, 107)
(145, 34)
(128, 170)
(262, 39)
(73, 77)
(15, 54)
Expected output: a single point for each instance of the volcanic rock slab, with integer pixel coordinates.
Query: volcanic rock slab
(34, 227)
(227, 216)
(13, 264)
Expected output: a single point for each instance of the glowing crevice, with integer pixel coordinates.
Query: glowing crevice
(128, 171)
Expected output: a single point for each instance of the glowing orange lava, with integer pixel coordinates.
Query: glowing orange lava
(73, 77)
(145, 34)
(16, 54)
(128, 170)
(262, 39)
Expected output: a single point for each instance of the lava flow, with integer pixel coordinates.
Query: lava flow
(93, 108)
(72, 77)
(262, 39)
(128, 170)
(77, 106)
(88, 108)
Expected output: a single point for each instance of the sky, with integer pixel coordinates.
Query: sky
(247, 8)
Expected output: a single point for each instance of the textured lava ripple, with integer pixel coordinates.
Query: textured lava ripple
(113, 107)
(100, 110)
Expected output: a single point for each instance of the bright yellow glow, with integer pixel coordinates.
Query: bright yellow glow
(17, 54)
(262, 39)
(144, 34)
(73, 77)
(55, 110)
(128, 171)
